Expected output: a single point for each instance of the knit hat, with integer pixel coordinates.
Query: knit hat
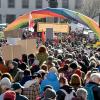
(9, 95)
(6, 82)
(50, 93)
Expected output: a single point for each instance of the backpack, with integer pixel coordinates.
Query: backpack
(68, 96)
(89, 88)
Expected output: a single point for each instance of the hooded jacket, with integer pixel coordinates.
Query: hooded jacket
(52, 80)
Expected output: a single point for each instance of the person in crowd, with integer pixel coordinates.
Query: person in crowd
(81, 94)
(50, 79)
(13, 67)
(17, 88)
(27, 77)
(53, 69)
(42, 55)
(72, 68)
(8, 76)
(42, 95)
(35, 67)
(3, 68)
(20, 74)
(32, 87)
(25, 58)
(9, 95)
(75, 81)
(66, 92)
(49, 62)
(0, 75)
(50, 94)
(44, 67)
(31, 58)
(5, 85)
(93, 87)
(87, 77)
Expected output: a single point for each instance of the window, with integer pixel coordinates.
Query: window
(11, 3)
(25, 3)
(10, 18)
(38, 4)
(78, 4)
(55, 19)
(0, 18)
(65, 3)
(53, 3)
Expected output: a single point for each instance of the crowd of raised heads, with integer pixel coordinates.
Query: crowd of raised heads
(63, 71)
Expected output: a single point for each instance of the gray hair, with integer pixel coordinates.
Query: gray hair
(81, 92)
(94, 76)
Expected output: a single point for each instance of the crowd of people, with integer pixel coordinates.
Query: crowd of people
(67, 70)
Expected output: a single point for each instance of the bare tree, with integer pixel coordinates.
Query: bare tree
(91, 8)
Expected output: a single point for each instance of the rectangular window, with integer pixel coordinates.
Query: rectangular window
(78, 4)
(10, 18)
(65, 3)
(25, 3)
(38, 4)
(0, 18)
(11, 3)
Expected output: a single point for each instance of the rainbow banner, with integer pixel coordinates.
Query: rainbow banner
(55, 12)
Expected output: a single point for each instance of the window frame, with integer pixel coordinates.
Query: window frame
(64, 3)
(38, 6)
(25, 6)
(11, 4)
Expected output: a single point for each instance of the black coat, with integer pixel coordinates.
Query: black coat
(61, 95)
(21, 97)
(96, 91)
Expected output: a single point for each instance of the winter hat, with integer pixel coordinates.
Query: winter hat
(9, 95)
(6, 82)
(50, 93)
(78, 72)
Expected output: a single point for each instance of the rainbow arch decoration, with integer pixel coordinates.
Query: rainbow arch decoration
(55, 12)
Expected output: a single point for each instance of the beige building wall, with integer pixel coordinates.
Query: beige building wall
(18, 10)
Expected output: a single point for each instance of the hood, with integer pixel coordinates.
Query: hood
(51, 76)
(67, 88)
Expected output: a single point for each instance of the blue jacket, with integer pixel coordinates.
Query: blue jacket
(52, 80)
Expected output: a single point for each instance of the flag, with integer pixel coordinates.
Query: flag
(31, 23)
(43, 37)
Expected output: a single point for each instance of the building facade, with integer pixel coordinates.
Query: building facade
(11, 9)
